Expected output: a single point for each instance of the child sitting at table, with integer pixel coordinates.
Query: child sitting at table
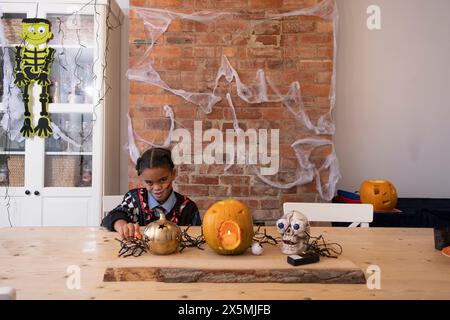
(142, 205)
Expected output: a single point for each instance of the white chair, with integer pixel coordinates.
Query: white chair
(110, 202)
(357, 214)
(7, 293)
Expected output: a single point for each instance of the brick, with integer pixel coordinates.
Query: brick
(316, 38)
(243, 113)
(265, 4)
(235, 180)
(265, 52)
(240, 40)
(137, 87)
(179, 39)
(219, 191)
(240, 191)
(166, 51)
(204, 52)
(266, 28)
(263, 191)
(204, 204)
(187, 64)
(298, 26)
(211, 169)
(264, 41)
(192, 190)
(251, 204)
(321, 90)
(264, 215)
(324, 26)
(325, 52)
(319, 65)
(182, 179)
(229, 25)
(142, 113)
(300, 52)
(164, 3)
(270, 204)
(207, 180)
(324, 77)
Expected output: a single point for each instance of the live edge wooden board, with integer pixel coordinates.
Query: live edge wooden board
(194, 265)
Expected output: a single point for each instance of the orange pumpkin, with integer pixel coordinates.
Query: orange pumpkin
(380, 193)
(228, 227)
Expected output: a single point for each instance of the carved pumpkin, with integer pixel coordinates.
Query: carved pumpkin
(228, 227)
(380, 193)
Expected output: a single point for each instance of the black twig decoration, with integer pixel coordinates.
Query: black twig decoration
(262, 237)
(189, 241)
(329, 250)
(132, 247)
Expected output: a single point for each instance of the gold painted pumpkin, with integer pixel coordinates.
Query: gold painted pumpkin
(380, 193)
(163, 236)
(228, 227)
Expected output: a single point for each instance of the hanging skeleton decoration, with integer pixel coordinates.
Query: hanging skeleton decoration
(294, 230)
(33, 62)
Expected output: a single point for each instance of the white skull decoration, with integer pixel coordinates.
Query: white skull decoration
(294, 230)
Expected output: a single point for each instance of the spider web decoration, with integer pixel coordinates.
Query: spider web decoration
(230, 82)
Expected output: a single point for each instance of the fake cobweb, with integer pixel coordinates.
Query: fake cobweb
(315, 135)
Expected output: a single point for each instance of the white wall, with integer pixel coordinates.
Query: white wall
(393, 96)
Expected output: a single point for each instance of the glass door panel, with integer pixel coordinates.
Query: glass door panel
(68, 156)
(72, 76)
(72, 29)
(12, 160)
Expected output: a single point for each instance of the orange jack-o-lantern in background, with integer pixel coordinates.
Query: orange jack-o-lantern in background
(228, 227)
(380, 193)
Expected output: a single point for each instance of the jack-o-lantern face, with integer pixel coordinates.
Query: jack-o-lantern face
(380, 193)
(228, 227)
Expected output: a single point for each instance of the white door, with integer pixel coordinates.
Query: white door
(51, 180)
(19, 206)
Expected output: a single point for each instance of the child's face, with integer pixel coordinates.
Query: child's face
(158, 182)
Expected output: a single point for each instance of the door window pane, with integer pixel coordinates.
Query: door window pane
(68, 171)
(72, 29)
(76, 126)
(12, 170)
(72, 76)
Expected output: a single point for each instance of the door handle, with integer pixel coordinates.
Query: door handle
(27, 192)
(36, 193)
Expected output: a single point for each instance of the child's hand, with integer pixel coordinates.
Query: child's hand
(127, 230)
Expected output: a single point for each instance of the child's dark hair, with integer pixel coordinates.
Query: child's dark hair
(154, 158)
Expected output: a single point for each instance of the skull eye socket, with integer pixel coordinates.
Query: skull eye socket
(41, 30)
(282, 225)
(31, 29)
(297, 226)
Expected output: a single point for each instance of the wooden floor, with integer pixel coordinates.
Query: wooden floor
(41, 263)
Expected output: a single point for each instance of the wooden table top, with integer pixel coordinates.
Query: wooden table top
(37, 262)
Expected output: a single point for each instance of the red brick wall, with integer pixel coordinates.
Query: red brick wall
(188, 56)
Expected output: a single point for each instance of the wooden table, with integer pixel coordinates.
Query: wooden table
(36, 262)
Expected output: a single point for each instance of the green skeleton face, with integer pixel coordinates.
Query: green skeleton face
(36, 33)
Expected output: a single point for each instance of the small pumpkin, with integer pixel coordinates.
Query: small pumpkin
(163, 236)
(228, 227)
(380, 193)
